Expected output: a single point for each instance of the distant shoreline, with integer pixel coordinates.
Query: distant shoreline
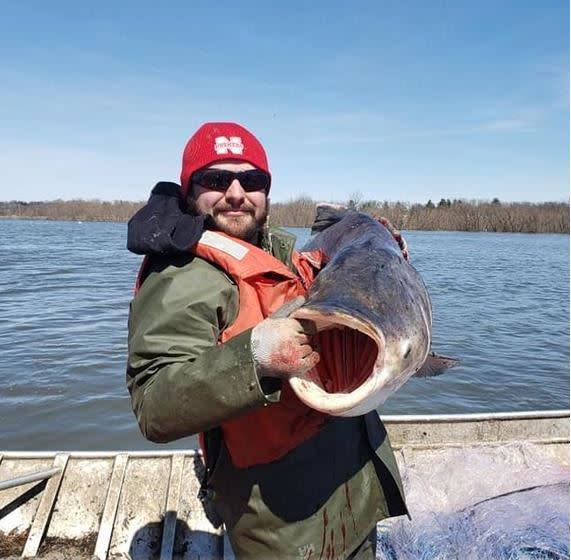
(108, 221)
(446, 215)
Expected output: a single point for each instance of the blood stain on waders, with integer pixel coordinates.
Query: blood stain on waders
(349, 507)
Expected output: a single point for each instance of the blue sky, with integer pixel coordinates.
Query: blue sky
(402, 100)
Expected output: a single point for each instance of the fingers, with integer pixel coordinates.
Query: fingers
(308, 359)
(284, 347)
(311, 361)
(306, 338)
(305, 350)
(308, 327)
(397, 236)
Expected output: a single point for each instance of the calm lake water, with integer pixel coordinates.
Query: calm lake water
(501, 305)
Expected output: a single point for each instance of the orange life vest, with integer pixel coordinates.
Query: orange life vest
(264, 283)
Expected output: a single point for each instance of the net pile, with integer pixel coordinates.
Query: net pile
(481, 503)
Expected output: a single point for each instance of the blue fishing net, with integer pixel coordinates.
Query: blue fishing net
(511, 505)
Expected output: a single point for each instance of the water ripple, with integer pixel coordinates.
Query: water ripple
(501, 304)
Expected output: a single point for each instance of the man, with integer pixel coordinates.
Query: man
(209, 354)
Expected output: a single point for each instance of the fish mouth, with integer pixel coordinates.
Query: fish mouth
(345, 381)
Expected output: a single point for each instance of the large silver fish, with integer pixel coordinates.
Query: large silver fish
(372, 313)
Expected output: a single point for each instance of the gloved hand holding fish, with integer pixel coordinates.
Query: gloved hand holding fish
(281, 347)
(372, 314)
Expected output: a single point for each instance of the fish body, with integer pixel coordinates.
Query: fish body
(372, 313)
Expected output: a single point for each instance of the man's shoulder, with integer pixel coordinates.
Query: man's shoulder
(282, 234)
(282, 244)
(179, 268)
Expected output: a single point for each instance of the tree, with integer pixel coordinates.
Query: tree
(355, 200)
(430, 204)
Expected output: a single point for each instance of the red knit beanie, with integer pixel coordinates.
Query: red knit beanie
(220, 141)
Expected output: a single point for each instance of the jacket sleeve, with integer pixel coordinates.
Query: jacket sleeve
(180, 380)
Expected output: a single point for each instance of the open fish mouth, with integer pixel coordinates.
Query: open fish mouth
(345, 381)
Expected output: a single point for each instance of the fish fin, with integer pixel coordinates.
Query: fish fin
(435, 365)
(326, 215)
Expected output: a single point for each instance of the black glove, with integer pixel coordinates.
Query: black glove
(161, 227)
(326, 215)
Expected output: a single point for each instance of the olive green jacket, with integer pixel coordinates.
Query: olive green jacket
(323, 497)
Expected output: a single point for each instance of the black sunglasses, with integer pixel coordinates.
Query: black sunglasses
(220, 179)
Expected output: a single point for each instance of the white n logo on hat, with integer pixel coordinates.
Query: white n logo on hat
(223, 145)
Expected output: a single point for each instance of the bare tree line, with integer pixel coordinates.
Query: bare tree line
(73, 210)
(456, 215)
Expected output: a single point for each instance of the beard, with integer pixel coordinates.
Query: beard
(246, 226)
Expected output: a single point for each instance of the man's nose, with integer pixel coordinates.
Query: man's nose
(235, 193)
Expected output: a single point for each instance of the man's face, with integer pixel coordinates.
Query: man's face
(237, 212)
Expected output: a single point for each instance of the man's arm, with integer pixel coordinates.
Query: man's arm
(180, 380)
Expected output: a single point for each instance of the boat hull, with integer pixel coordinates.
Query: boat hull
(145, 504)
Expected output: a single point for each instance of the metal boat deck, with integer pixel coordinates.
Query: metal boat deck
(144, 504)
